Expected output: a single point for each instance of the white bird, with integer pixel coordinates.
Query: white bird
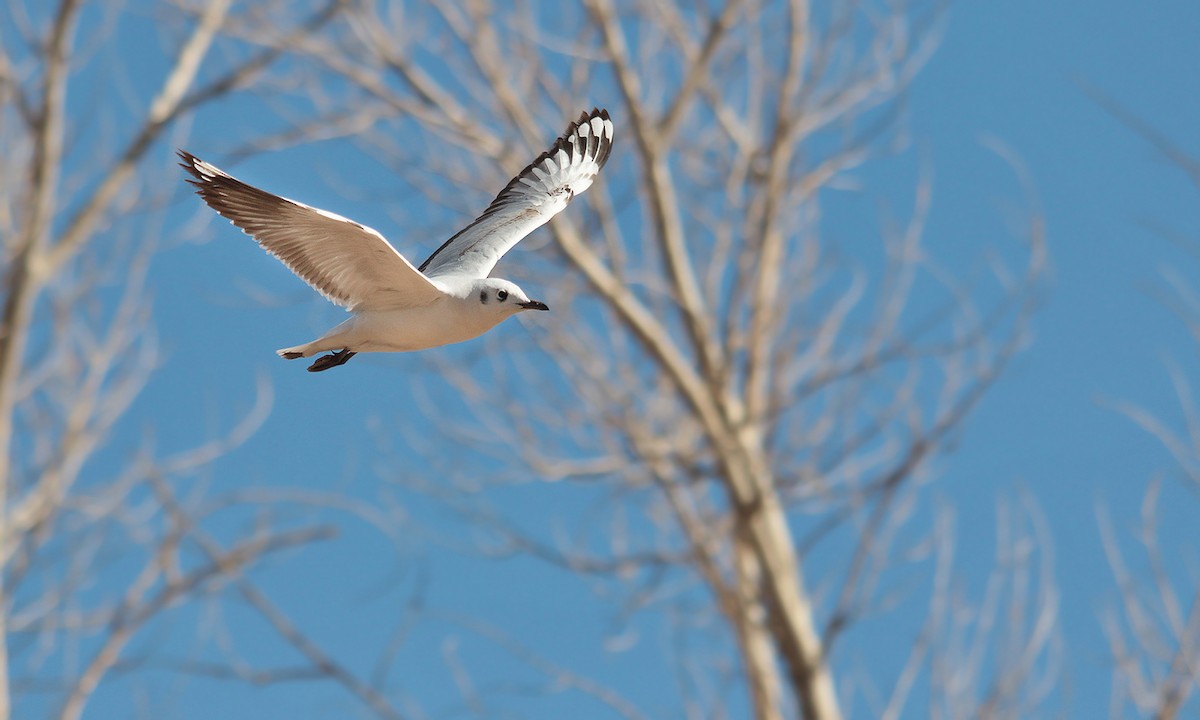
(396, 307)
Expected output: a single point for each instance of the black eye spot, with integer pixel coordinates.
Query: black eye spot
(502, 294)
(483, 296)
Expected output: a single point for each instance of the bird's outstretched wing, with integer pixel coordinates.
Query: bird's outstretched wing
(534, 196)
(350, 264)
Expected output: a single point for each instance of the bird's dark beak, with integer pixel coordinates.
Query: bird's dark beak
(533, 305)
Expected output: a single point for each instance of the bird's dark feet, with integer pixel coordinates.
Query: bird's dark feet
(331, 360)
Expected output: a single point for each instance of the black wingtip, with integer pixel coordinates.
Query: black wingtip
(603, 144)
(188, 162)
(585, 116)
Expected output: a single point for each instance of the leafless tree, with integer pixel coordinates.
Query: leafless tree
(756, 412)
(96, 547)
(742, 394)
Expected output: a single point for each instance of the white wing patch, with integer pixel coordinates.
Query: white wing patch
(536, 194)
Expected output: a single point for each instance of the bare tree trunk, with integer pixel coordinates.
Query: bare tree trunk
(751, 623)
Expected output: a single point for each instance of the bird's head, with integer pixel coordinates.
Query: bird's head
(503, 297)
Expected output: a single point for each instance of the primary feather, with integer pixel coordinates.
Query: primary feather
(536, 194)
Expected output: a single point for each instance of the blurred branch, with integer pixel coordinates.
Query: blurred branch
(136, 609)
(1154, 631)
(320, 661)
(1169, 149)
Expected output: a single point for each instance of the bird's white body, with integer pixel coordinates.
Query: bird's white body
(451, 318)
(397, 307)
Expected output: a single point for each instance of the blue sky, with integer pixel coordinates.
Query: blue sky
(1016, 71)
(1013, 72)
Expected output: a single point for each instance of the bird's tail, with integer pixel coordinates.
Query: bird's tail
(292, 353)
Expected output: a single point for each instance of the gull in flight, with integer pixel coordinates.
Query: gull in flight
(397, 307)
